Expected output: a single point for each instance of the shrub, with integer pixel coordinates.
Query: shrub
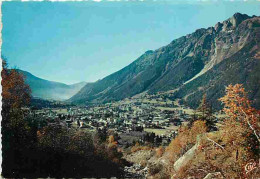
(137, 147)
(159, 151)
(154, 169)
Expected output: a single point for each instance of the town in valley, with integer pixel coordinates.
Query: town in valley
(153, 119)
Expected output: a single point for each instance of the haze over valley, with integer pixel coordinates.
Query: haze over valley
(50, 90)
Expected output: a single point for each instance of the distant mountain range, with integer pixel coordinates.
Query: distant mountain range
(202, 62)
(50, 90)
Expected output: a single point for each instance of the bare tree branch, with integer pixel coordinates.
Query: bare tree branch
(251, 127)
(216, 143)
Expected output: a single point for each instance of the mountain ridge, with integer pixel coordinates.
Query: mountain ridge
(50, 90)
(181, 62)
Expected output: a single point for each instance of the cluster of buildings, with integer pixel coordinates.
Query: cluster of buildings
(128, 119)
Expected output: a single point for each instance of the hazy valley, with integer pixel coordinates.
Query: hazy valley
(187, 110)
(50, 90)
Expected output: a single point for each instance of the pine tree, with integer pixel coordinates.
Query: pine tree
(206, 114)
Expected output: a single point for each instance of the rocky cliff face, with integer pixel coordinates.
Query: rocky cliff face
(202, 62)
(235, 60)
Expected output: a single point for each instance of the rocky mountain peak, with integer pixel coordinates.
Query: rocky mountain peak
(237, 18)
(149, 52)
(231, 23)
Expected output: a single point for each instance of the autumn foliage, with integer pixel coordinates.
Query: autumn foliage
(238, 108)
(159, 151)
(15, 92)
(228, 150)
(186, 139)
(138, 147)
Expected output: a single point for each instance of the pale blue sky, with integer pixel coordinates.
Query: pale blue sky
(85, 41)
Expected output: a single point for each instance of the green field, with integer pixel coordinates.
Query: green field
(158, 131)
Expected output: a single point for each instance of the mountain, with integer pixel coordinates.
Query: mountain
(50, 90)
(202, 62)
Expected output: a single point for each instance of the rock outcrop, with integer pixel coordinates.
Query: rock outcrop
(216, 175)
(183, 160)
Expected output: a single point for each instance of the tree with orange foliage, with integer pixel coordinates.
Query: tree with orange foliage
(228, 150)
(17, 135)
(112, 150)
(238, 108)
(15, 93)
(241, 130)
(111, 141)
